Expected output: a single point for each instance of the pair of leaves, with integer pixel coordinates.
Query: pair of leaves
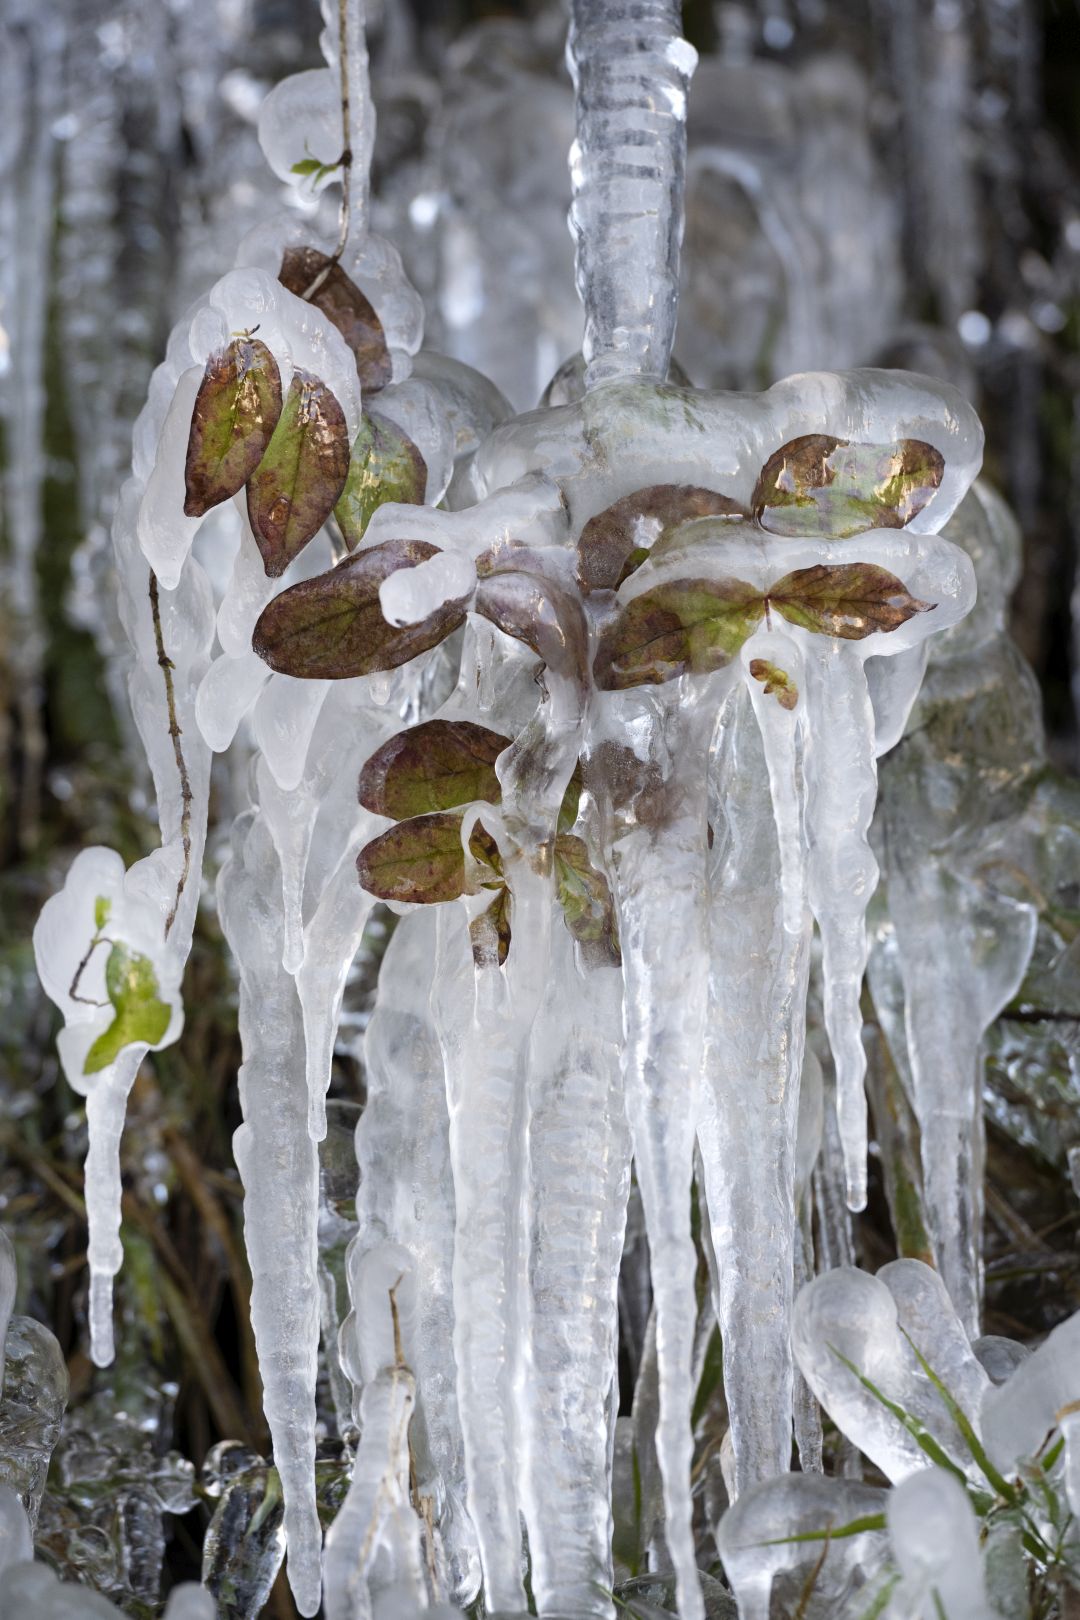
(696, 626)
(332, 627)
(293, 456)
(819, 485)
(131, 985)
(619, 539)
(421, 778)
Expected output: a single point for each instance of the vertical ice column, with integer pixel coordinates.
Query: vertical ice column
(748, 1129)
(278, 1165)
(579, 1173)
(406, 1198)
(631, 70)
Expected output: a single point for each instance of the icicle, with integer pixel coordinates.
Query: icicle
(406, 1198)
(9, 1282)
(935, 1542)
(631, 70)
(758, 967)
(579, 1170)
(842, 782)
(278, 1164)
(32, 1410)
(16, 1542)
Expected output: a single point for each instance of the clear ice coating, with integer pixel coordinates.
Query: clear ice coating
(609, 684)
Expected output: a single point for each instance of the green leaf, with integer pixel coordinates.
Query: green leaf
(490, 931)
(918, 1431)
(818, 485)
(849, 600)
(236, 410)
(332, 628)
(433, 766)
(345, 306)
(313, 166)
(854, 1527)
(588, 909)
(132, 986)
(978, 1452)
(686, 626)
(385, 466)
(618, 540)
(297, 483)
(102, 911)
(422, 860)
(776, 681)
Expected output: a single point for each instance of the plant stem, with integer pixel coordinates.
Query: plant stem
(346, 159)
(166, 665)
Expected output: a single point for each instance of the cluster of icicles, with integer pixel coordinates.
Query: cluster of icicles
(613, 678)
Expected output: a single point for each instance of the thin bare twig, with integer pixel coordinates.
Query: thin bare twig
(167, 666)
(346, 158)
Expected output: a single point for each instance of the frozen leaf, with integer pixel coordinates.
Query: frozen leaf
(332, 627)
(236, 410)
(775, 681)
(385, 466)
(345, 306)
(490, 931)
(818, 485)
(539, 613)
(585, 899)
(312, 168)
(132, 987)
(686, 626)
(296, 485)
(568, 810)
(434, 766)
(617, 540)
(850, 600)
(102, 910)
(422, 860)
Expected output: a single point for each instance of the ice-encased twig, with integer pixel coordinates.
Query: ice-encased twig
(278, 1165)
(631, 69)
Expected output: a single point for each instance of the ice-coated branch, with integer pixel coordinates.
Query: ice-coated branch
(631, 69)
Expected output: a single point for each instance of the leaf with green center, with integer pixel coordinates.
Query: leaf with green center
(102, 912)
(433, 766)
(588, 909)
(132, 987)
(422, 860)
(849, 600)
(685, 626)
(490, 931)
(345, 306)
(332, 627)
(313, 168)
(618, 540)
(818, 485)
(385, 466)
(297, 483)
(776, 681)
(236, 410)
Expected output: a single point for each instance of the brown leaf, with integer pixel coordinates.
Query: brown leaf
(297, 483)
(849, 600)
(776, 681)
(385, 466)
(617, 540)
(686, 626)
(490, 931)
(345, 306)
(433, 766)
(818, 485)
(236, 410)
(539, 613)
(332, 627)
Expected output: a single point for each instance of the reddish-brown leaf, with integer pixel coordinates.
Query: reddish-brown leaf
(430, 767)
(236, 411)
(345, 306)
(617, 540)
